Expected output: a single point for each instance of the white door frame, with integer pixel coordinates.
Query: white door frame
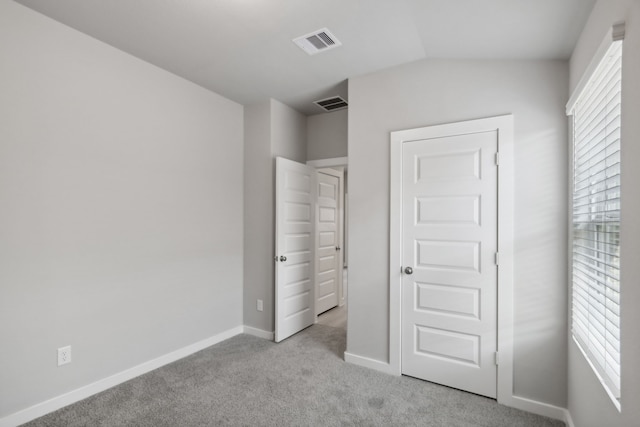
(328, 163)
(504, 127)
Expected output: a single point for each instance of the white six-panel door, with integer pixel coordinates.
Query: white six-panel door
(295, 247)
(449, 284)
(327, 242)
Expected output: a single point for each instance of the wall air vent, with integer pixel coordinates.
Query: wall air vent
(318, 41)
(331, 104)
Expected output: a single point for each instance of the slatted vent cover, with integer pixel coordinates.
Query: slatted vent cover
(332, 104)
(318, 41)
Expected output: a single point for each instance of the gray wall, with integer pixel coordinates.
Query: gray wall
(121, 219)
(327, 135)
(288, 133)
(272, 129)
(258, 216)
(589, 404)
(432, 92)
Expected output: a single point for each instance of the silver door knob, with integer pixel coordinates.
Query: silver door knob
(283, 258)
(337, 248)
(408, 270)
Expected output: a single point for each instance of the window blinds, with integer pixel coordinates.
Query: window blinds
(596, 218)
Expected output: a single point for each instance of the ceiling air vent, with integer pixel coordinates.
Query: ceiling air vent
(318, 41)
(332, 104)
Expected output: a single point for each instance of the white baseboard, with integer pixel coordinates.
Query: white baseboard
(76, 395)
(539, 408)
(369, 363)
(568, 420)
(260, 333)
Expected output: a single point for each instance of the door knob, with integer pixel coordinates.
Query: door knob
(283, 258)
(337, 248)
(408, 270)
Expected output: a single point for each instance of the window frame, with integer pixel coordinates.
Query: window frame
(614, 36)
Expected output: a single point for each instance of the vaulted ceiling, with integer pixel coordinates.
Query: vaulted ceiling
(243, 49)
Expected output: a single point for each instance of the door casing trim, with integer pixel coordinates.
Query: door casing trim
(504, 127)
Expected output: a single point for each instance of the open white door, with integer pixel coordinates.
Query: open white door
(295, 247)
(328, 237)
(449, 259)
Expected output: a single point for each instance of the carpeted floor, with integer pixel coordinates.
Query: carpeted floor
(302, 381)
(336, 317)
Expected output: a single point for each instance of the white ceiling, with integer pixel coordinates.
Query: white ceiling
(243, 49)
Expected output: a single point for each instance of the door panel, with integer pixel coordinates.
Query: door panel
(295, 247)
(327, 255)
(451, 300)
(449, 228)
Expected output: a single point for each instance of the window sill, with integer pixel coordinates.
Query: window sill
(614, 400)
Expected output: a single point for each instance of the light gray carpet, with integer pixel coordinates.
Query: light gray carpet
(336, 317)
(303, 381)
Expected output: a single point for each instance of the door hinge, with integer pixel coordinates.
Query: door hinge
(497, 355)
(497, 159)
(497, 258)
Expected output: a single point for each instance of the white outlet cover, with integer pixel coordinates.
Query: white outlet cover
(259, 305)
(64, 355)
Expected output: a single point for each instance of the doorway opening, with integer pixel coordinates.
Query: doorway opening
(310, 245)
(338, 314)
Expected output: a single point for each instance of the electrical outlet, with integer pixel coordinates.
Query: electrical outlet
(64, 355)
(259, 305)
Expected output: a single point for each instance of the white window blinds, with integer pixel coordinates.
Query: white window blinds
(596, 218)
